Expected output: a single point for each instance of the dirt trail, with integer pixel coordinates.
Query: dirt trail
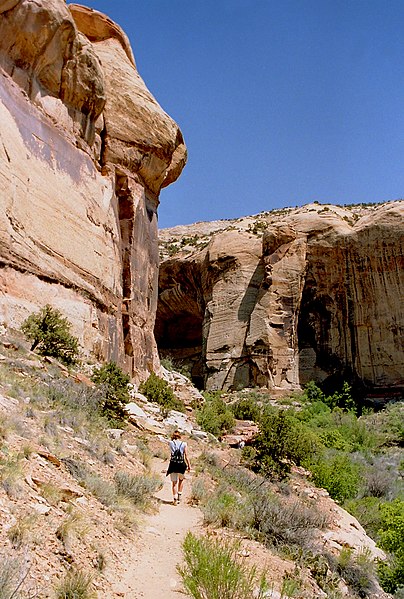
(152, 573)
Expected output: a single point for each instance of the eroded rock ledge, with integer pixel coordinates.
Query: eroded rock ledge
(84, 152)
(288, 296)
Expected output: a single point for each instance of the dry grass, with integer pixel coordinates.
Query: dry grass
(21, 532)
(76, 585)
(73, 526)
(51, 493)
(11, 475)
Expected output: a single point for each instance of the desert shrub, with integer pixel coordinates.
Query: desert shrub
(336, 473)
(367, 511)
(354, 430)
(158, 390)
(138, 489)
(215, 416)
(388, 424)
(287, 523)
(114, 383)
(50, 334)
(199, 491)
(103, 490)
(75, 585)
(207, 461)
(79, 407)
(357, 570)
(378, 480)
(224, 508)
(246, 409)
(281, 441)
(212, 571)
(391, 539)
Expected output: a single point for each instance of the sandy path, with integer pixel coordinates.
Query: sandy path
(153, 573)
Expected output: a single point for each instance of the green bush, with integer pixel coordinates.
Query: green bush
(215, 416)
(367, 511)
(50, 334)
(114, 382)
(357, 570)
(158, 390)
(334, 439)
(337, 474)
(212, 571)
(281, 441)
(340, 399)
(246, 409)
(391, 539)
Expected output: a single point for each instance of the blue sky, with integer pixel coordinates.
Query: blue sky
(281, 102)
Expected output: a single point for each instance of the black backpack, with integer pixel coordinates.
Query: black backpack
(177, 457)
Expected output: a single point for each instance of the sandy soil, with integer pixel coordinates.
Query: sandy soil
(153, 573)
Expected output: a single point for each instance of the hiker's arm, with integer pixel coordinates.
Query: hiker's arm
(188, 463)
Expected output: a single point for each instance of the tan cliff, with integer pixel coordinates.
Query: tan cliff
(288, 296)
(84, 152)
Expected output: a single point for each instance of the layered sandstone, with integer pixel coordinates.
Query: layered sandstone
(276, 300)
(84, 152)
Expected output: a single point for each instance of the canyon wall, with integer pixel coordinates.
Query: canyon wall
(84, 152)
(276, 300)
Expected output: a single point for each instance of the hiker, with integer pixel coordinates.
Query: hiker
(179, 463)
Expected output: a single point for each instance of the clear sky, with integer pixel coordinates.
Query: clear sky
(281, 102)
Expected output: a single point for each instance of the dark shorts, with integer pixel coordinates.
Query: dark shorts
(180, 468)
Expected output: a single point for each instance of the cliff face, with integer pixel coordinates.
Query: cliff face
(84, 152)
(282, 298)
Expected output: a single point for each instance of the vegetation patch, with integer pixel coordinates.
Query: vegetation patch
(215, 416)
(158, 390)
(76, 585)
(213, 570)
(114, 382)
(50, 334)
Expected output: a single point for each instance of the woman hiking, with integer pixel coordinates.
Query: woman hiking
(179, 463)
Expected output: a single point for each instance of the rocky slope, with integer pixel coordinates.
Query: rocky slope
(287, 296)
(63, 511)
(84, 152)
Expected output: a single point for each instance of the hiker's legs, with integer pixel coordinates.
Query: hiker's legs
(174, 487)
(180, 484)
(174, 483)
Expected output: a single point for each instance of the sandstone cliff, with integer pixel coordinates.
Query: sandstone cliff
(287, 296)
(84, 152)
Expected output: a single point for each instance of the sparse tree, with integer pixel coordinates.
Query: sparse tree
(115, 383)
(50, 334)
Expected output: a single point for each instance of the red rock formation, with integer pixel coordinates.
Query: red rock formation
(317, 296)
(80, 178)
